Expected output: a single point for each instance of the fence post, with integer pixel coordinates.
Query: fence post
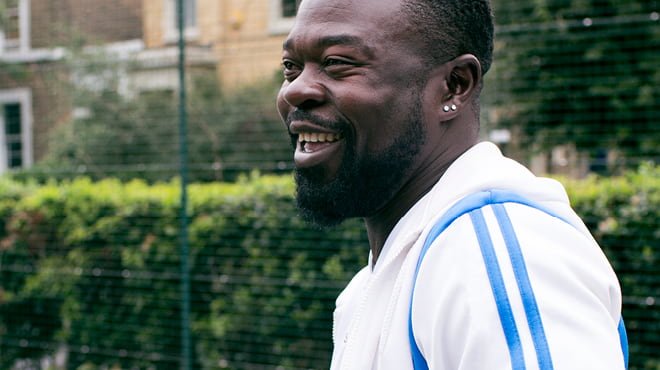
(183, 158)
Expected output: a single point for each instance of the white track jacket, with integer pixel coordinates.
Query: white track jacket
(539, 295)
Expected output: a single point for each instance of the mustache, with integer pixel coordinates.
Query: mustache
(304, 115)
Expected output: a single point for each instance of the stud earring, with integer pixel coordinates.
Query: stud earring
(445, 108)
(453, 107)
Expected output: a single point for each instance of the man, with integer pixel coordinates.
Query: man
(381, 101)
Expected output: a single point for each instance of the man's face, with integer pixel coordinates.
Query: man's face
(352, 103)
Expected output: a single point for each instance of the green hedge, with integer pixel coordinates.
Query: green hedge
(623, 213)
(92, 270)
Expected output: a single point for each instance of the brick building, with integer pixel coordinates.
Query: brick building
(34, 37)
(239, 41)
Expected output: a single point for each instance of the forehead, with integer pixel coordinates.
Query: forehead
(348, 9)
(356, 23)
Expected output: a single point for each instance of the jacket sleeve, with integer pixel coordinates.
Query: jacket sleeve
(509, 287)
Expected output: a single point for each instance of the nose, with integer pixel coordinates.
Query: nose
(304, 91)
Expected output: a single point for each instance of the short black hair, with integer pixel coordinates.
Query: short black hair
(450, 28)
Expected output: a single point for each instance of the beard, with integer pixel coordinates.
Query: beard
(363, 185)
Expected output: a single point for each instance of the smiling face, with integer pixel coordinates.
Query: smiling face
(352, 102)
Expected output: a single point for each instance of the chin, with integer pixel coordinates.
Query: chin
(321, 203)
(320, 218)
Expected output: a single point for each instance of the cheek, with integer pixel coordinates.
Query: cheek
(381, 119)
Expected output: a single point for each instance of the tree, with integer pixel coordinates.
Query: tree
(578, 71)
(116, 132)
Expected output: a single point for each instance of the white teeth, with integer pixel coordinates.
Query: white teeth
(315, 137)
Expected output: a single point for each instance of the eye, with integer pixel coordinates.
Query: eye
(287, 64)
(328, 62)
(290, 69)
(340, 67)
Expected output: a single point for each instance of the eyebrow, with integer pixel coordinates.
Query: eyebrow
(332, 40)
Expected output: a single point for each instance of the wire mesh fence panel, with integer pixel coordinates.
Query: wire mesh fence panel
(100, 267)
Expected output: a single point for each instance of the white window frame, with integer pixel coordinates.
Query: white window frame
(22, 45)
(22, 96)
(277, 24)
(170, 28)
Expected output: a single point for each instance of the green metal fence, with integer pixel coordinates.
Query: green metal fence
(140, 226)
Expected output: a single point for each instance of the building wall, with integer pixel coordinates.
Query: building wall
(248, 51)
(234, 34)
(61, 22)
(236, 30)
(152, 25)
(45, 75)
(50, 104)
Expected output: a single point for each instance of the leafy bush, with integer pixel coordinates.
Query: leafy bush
(118, 135)
(623, 213)
(102, 259)
(558, 80)
(92, 270)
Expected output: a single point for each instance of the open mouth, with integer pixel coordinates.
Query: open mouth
(310, 142)
(316, 148)
(316, 144)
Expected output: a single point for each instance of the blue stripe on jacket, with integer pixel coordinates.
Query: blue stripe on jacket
(472, 204)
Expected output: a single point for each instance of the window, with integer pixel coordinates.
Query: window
(282, 14)
(189, 14)
(170, 20)
(290, 8)
(15, 26)
(12, 113)
(15, 129)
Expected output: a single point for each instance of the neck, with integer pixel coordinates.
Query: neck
(380, 225)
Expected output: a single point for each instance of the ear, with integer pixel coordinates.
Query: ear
(462, 83)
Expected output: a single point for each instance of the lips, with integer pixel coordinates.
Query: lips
(315, 145)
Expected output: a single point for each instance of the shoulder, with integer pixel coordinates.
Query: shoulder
(510, 267)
